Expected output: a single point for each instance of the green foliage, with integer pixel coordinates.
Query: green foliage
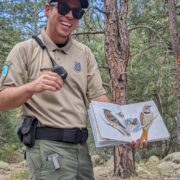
(19, 20)
(150, 69)
(26, 16)
(9, 37)
(8, 125)
(97, 47)
(8, 138)
(18, 175)
(153, 150)
(151, 65)
(9, 152)
(159, 149)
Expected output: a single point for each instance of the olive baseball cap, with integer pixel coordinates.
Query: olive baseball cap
(84, 3)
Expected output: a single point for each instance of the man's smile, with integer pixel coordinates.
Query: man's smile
(66, 24)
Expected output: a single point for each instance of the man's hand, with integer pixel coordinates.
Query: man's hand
(47, 81)
(12, 97)
(140, 143)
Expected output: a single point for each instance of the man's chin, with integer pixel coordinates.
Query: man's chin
(61, 38)
(64, 34)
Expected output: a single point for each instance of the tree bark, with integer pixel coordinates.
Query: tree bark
(176, 50)
(117, 54)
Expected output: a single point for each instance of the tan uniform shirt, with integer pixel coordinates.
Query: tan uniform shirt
(66, 108)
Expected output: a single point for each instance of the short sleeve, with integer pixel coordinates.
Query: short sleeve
(14, 71)
(94, 86)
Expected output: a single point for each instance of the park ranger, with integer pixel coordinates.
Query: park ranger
(53, 78)
(57, 99)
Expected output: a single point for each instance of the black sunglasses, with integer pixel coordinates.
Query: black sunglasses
(63, 9)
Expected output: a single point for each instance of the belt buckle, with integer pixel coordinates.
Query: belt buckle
(79, 135)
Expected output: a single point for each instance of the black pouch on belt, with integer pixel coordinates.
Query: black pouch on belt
(27, 131)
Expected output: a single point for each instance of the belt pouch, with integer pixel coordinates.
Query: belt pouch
(27, 131)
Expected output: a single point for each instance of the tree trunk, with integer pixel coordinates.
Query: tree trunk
(117, 53)
(176, 49)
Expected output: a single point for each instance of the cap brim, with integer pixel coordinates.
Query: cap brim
(84, 3)
(50, 1)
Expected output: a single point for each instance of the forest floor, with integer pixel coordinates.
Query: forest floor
(17, 171)
(153, 169)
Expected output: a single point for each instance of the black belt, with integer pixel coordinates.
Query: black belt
(74, 135)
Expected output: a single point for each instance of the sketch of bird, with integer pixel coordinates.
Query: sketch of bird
(133, 122)
(132, 125)
(146, 119)
(120, 114)
(113, 121)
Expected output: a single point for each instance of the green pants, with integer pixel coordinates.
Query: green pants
(71, 161)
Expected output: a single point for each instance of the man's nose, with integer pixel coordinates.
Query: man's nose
(69, 15)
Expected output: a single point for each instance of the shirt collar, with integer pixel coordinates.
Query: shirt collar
(52, 46)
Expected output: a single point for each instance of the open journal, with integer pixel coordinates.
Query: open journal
(114, 124)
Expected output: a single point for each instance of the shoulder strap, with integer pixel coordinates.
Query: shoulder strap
(56, 68)
(43, 47)
(38, 40)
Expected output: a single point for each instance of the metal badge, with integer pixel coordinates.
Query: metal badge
(77, 66)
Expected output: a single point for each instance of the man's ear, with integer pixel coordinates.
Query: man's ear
(47, 8)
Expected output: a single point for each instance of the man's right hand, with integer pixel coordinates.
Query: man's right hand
(12, 97)
(47, 81)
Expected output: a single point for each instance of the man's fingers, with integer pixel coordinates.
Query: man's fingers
(53, 77)
(145, 143)
(132, 144)
(47, 81)
(52, 83)
(140, 143)
(137, 145)
(49, 88)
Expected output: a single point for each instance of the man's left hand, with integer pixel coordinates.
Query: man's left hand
(139, 143)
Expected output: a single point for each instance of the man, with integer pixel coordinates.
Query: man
(28, 80)
(60, 106)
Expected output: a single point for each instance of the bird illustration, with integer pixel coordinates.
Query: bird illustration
(146, 119)
(113, 121)
(132, 125)
(133, 122)
(120, 114)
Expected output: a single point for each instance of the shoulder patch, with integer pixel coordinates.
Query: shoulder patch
(5, 69)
